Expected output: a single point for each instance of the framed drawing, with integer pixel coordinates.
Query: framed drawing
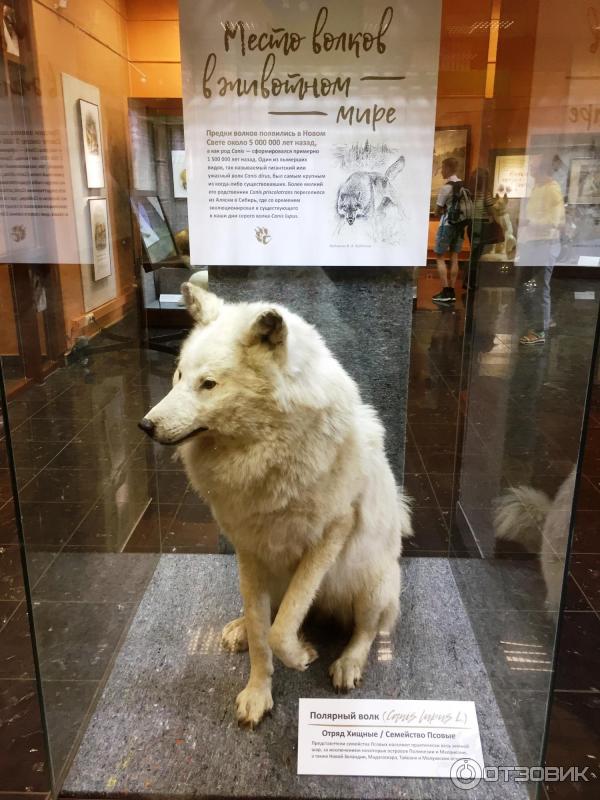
(179, 173)
(584, 182)
(100, 237)
(449, 143)
(157, 237)
(10, 39)
(92, 144)
(511, 175)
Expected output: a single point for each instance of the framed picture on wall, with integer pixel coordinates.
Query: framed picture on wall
(157, 237)
(10, 39)
(179, 173)
(449, 143)
(92, 144)
(100, 237)
(511, 175)
(584, 182)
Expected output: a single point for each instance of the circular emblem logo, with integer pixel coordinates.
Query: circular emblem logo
(466, 773)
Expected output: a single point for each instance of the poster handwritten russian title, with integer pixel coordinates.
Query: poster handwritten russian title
(309, 131)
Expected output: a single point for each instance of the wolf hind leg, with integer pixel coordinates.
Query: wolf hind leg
(234, 637)
(374, 612)
(389, 615)
(346, 671)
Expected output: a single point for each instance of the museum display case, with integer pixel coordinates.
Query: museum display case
(419, 181)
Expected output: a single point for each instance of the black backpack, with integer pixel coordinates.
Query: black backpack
(460, 205)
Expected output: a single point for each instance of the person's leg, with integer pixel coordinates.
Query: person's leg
(442, 244)
(442, 271)
(477, 248)
(531, 296)
(540, 285)
(457, 240)
(525, 292)
(453, 269)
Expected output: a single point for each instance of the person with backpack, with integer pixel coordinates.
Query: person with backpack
(454, 207)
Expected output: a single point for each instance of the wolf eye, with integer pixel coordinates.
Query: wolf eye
(208, 384)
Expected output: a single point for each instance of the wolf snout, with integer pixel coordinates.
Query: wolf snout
(350, 220)
(147, 426)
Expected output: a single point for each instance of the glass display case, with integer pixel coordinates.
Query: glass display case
(420, 183)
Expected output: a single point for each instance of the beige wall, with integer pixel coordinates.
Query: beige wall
(88, 40)
(153, 39)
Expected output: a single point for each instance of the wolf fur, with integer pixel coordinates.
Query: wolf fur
(365, 194)
(275, 437)
(541, 525)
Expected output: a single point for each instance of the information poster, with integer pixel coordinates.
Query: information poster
(511, 176)
(309, 130)
(408, 738)
(100, 237)
(36, 224)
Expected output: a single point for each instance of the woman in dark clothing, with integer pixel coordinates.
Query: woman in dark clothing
(483, 229)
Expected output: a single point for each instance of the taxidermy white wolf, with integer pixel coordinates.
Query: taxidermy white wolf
(274, 436)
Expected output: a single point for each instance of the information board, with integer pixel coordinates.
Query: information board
(409, 738)
(309, 130)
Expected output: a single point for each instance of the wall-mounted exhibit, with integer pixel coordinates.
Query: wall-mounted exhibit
(326, 132)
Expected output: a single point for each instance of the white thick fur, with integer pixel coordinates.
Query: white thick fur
(292, 464)
(529, 517)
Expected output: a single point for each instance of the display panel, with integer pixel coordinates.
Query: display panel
(157, 238)
(179, 173)
(100, 238)
(511, 175)
(584, 181)
(92, 144)
(309, 132)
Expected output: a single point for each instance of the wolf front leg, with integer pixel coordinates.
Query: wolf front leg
(305, 583)
(253, 702)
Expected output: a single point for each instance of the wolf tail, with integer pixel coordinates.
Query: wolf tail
(395, 169)
(404, 515)
(519, 517)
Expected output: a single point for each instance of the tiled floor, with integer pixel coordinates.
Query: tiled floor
(91, 486)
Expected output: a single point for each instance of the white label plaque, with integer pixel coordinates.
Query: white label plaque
(408, 738)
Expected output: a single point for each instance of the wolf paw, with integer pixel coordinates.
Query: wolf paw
(234, 637)
(346, 673)
(294, 653)
(251, 705)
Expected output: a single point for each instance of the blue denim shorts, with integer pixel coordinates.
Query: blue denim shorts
(449, 238)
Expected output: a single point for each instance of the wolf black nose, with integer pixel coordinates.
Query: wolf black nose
(147, 426)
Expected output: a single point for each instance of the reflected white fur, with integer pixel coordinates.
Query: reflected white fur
(293, 467)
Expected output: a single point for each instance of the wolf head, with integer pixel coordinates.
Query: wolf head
(352, 200)
(225, 373)
(246, 370)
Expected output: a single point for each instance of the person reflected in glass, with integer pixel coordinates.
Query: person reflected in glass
(449, 238)
(483, 229)
(538, 248)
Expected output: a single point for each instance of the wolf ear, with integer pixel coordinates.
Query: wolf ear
(203, 306)
(268, 328)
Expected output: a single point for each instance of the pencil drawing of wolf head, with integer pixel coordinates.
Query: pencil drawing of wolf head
(365, 194)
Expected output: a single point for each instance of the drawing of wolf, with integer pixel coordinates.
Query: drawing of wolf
(367, 194)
